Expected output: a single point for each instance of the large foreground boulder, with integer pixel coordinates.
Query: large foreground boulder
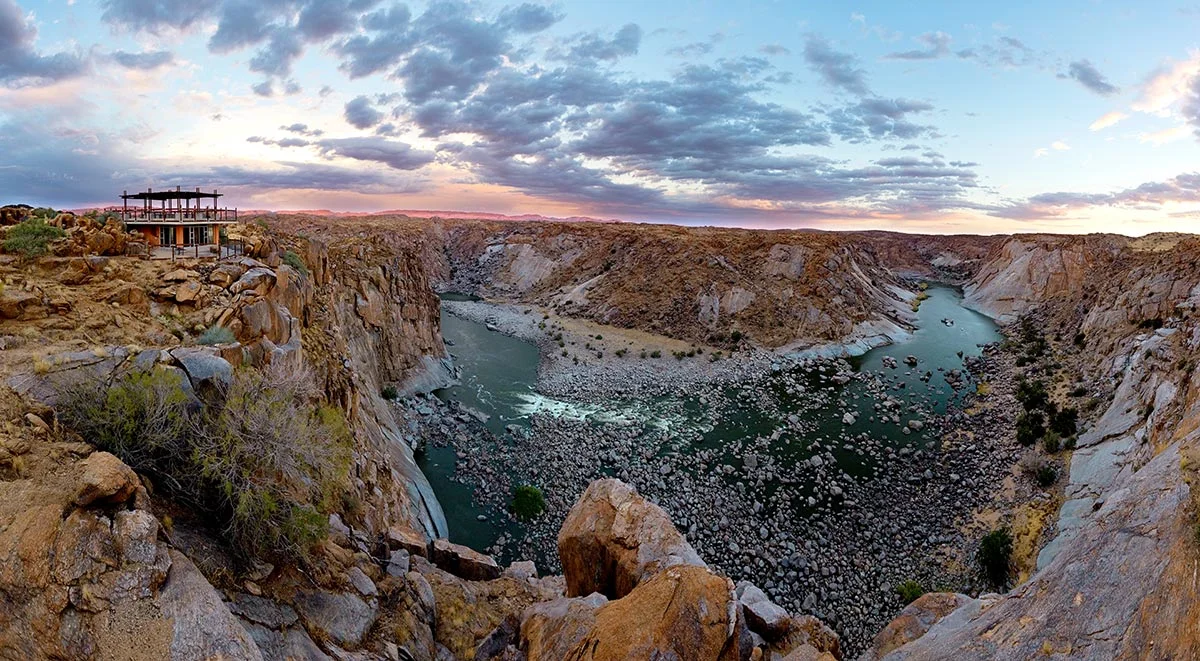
(613, 539)
(684, 612)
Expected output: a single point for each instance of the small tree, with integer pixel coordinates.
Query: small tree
(528, 502)
(31, 237)
(995, 555)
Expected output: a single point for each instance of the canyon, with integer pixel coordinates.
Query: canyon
(96, 557)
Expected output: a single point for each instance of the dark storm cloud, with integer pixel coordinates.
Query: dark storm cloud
(839, 70)
(1086, 74)
(20, 64)
(936, 44)
(146, 61)
(361, 114)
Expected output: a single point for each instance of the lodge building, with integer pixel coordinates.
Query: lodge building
(176, 220)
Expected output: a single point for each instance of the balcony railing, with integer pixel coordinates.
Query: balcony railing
(175, 215)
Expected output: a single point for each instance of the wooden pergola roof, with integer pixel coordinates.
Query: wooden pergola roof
(171, 195)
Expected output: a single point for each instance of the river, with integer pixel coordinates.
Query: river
(499, 373)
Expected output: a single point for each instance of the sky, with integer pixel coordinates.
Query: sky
(944, 117)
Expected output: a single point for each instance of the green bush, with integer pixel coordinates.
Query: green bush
(1030, 427)
(994, 556)
(31, 238)
(1046, 475)
(1032, 395)
(262, 458)
(656, 354)
(390, 393)
(1051, 442)
(216, 335)
(528, 502)
(293, 260)
(909, 591)
(1064, 422)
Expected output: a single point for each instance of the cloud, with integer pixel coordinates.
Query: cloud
(1165, 136)
(1151, 195)
(1059, 145)
(361, 114)
(1107, 119)
(528, 18)
(302, 129)
(877, 118)
(698, 48)
(1168, 85)
(145, 61)
(623, 43)
(23, 66)
(774, 50)
(397, 155)
(838, 70)
(937, 44)
(1086, 74)
(155, 16)
(1040, 152)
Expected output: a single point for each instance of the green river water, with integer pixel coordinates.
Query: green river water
(498, 375)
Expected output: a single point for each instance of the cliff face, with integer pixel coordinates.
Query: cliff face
(700, 285)
(375, 321)
(1028, 270)
(1115, 580)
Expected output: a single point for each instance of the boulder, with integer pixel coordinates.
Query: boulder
(181, 275)
(188, 292)
(105, 478)
(343, 617)
(204, 367)
(684, 612)
(464, 562)
(763, 616)
(613, 539)
(202, 626)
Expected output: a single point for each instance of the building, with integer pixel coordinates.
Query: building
(176, 221)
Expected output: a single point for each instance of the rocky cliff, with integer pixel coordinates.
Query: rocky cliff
(1114, 580)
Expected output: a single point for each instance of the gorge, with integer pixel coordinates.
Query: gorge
(756, 386)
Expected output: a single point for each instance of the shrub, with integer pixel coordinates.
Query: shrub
(994, 556)
(909, 591)
(31, 237)
(1154, 323)
(1064, 422)
(1051, 442)
(1046, 475)
(216, 335)
(656, 354)
(1032, 394)
(528, 502)
(735, 336)
(293, 260)
(261, 457)
(1030, 428)
(390, 393)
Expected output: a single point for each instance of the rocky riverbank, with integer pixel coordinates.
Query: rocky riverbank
(816, 537)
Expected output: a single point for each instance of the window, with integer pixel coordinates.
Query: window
(197, 234)
(166, 235)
